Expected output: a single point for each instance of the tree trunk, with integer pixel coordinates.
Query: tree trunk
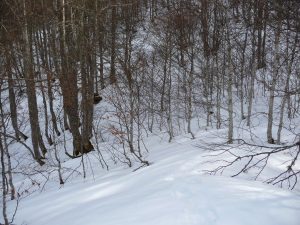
(113, 41)
(4, 191)
(12, 100)
(230, 101)
(31, 93)
(252, 79)
(5, 149)
(273, 84)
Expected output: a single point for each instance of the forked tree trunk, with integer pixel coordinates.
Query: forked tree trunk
(68, 83)
(87, 77)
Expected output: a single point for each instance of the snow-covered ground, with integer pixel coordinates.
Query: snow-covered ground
(172, 190)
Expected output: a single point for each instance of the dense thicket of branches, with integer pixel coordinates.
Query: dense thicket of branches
(165, 62)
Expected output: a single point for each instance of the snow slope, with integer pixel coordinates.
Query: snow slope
(172, 190)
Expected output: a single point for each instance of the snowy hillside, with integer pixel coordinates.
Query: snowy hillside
(172, 190)
(146, 112)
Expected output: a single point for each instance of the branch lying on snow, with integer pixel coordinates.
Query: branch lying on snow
(258, 159)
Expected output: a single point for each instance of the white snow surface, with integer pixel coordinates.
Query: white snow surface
(173, 190)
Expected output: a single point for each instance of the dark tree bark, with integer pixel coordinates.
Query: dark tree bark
(29, 75)
(113, 34)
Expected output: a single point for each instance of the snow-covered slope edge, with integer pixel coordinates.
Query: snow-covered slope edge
(173, 190)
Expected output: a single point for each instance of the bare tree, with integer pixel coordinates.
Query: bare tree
(36, 137)
(257, 158)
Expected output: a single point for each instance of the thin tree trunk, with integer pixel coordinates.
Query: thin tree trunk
(50, 77)
(12, 100)
(286, 96)
(252, 79)
(273, 83)
(113, 41)
(218, 95)
(230, 101)
(5, 148)
(170, 114)
(4, 191)
(190, 91)
(242, 76)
